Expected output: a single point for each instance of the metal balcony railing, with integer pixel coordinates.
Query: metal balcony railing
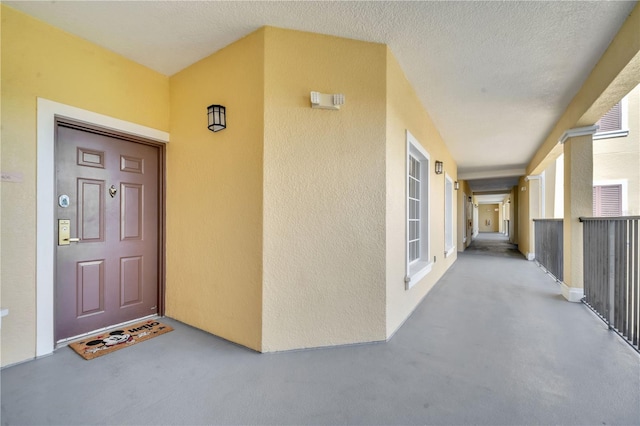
(548, 246)
(612, 272)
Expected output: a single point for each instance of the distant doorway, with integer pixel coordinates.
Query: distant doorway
(488, 217)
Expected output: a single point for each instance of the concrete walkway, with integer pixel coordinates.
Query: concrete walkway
(493, 244)
(493, 343)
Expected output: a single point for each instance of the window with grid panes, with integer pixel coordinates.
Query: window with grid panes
(414, 209)
(418, 262)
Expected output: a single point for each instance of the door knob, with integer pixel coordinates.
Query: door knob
(64, 233)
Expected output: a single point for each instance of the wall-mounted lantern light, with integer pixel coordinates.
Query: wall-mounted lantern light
(439, 167)
(217, 115)
(456, 185)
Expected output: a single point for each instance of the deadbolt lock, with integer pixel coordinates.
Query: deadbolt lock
(64, 233)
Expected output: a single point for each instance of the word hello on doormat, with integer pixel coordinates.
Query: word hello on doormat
(111, 341)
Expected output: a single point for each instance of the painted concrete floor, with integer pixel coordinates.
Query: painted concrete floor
(493, 244)
(494, 343)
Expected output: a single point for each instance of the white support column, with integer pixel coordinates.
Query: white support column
(578, 201)
(558, 204)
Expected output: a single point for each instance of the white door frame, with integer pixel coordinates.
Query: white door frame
(45, 213)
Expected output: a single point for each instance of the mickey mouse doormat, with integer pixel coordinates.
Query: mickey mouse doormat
(110, 341)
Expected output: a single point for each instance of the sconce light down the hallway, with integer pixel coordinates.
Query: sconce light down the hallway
(439, 167)
(456, 185)
(217, 115)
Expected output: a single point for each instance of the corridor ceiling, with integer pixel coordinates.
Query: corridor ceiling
(494, 76)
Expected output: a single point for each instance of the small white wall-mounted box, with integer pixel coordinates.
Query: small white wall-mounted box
(326, 101)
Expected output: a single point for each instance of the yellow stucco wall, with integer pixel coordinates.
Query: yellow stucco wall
(489, 217)
(578, 202)
(405, 112)
(618, 159)
(214, 194)
(284, 231)
(324, 189)
(514, 209)
(39, 60)
(524, 218)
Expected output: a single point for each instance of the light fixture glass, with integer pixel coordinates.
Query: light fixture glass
(217, 115)
(456, 185)
(439, 167)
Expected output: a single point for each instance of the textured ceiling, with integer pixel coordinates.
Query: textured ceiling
(494, 76)
(493, 184)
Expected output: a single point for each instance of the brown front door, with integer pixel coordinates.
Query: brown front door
(107, 188)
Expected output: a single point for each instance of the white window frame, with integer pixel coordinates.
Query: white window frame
(465, 198)
(419, 268)
(449, 243)
(624, 123)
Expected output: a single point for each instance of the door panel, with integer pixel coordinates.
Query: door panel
(131, 220)
(131, 280)
(90, 287)
(111, 274)
(131, 164)
(90, 197)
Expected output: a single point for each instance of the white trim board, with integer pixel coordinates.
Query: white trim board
(578, 131)
(572, 294)
(45, 214)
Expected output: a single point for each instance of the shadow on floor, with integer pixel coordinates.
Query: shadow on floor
(493, 244)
